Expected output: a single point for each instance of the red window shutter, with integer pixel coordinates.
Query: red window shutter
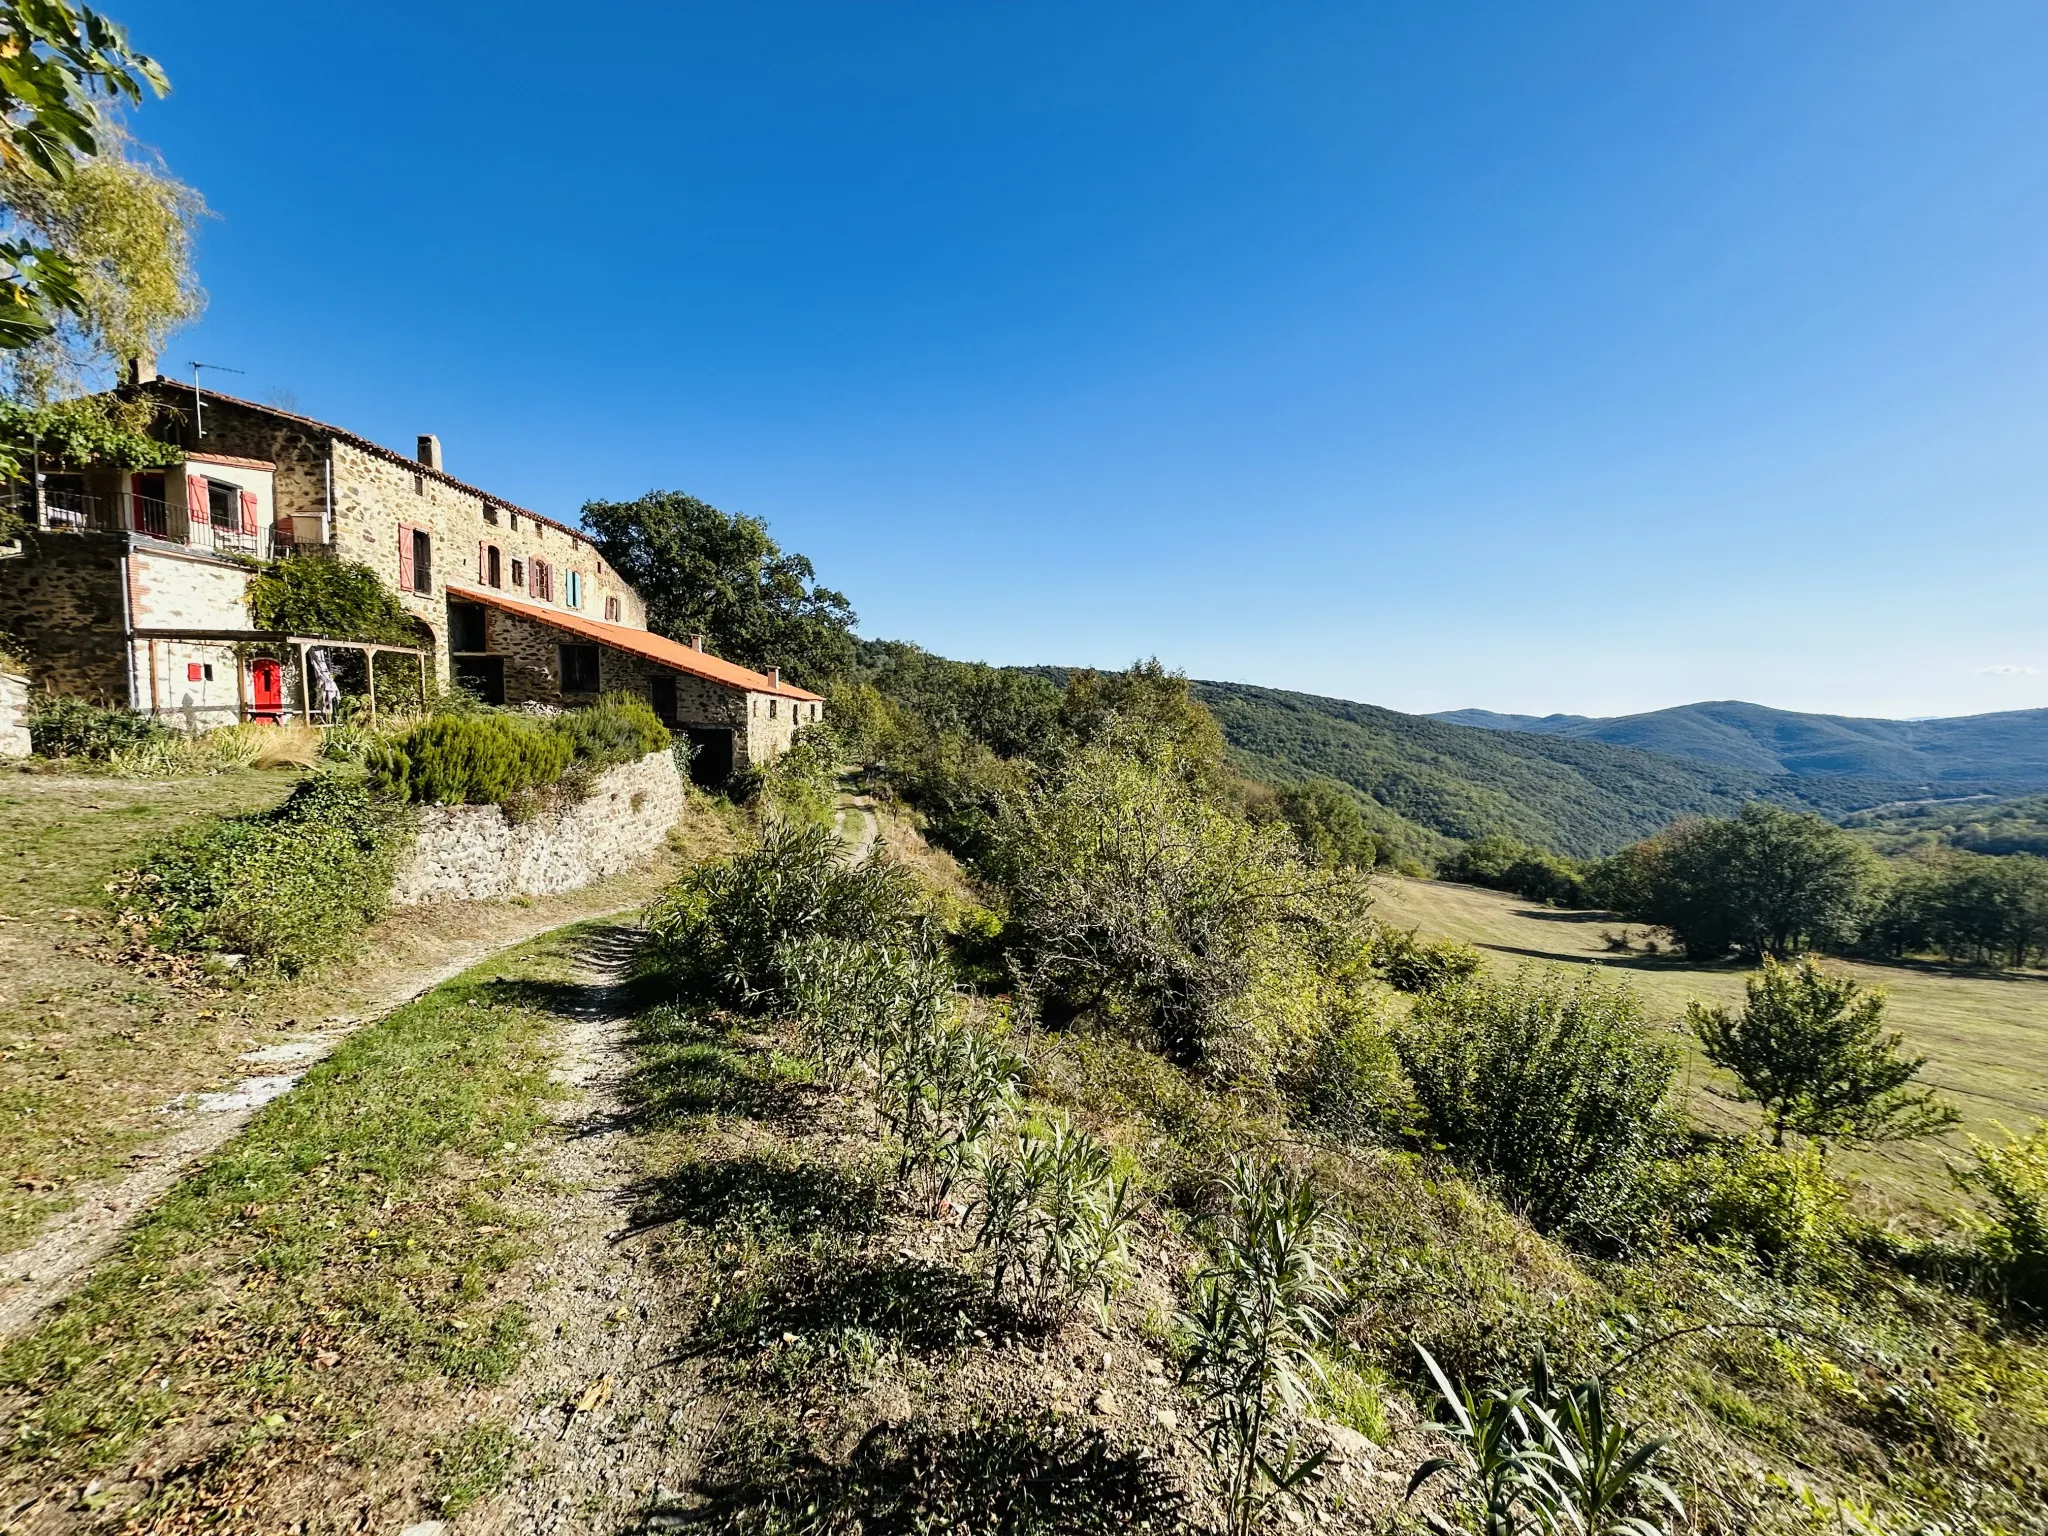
(405, 572)
(196, 507)
(483, 562)
(248, 511)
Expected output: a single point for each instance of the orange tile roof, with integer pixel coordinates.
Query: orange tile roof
(639, 642)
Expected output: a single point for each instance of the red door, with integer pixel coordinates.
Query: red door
(266, 691)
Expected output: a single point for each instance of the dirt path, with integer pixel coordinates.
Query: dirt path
(862, 843)
(619, 1425)
(423, 952)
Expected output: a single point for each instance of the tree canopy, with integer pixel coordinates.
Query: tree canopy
(720, 575)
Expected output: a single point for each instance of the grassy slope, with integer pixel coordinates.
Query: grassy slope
(1579, 797)
(1985, 1036)
(305, 1307)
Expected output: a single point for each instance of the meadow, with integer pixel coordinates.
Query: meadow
(1985, 1034)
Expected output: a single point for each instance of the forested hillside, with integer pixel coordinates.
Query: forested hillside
(2009, 748)
(1578, 797)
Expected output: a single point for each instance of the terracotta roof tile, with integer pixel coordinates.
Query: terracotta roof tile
(639, 642)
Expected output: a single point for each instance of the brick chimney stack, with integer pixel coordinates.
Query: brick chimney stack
(430, 450)
(696, 642)
(775, 676)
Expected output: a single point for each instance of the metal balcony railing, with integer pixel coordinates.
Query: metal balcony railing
(80, 512)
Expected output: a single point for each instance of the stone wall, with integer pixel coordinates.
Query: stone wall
(473, 853)
(13, 715)
(63, 605)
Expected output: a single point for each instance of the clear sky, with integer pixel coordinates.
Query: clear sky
(1586, 357)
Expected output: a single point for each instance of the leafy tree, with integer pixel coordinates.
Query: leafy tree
(1504, 863)
(718, 574)
(1326, 818)
(1810, 1047)
(1769, 881)
(1010, 711)
(59, 64)
(1150, 712)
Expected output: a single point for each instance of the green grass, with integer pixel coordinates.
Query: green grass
(350, 1238)
(1985, 1035)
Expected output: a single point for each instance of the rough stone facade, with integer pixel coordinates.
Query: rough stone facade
(63, 604)
(474, 853)
(13, 715)
(762, 724)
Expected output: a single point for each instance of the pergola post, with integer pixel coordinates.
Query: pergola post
(305, 682)
(370, 672)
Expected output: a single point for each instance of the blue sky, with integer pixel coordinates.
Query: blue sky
(1590, 357)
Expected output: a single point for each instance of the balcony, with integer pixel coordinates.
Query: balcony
(72, 511)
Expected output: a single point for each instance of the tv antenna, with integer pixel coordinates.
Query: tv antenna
(199, 405)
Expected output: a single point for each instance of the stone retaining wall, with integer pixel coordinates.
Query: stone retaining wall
(13, 715)
(473, 853)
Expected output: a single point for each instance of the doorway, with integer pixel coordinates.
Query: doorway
(266, 691)
(483, 676)
(711, 765)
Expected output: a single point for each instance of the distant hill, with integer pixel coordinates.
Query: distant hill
(1578, 796)
(2003, 826)
(1966, 751)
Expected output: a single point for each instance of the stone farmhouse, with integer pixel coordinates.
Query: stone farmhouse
(131, 587)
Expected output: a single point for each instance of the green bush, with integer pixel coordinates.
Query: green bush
(65, 727)
(285, 887)
(1781, 1208)
(313, 594)
(1505, 864)
(1349, 1083)
(496, 758)
(730, 929)
(2013, 1181)
(1415, 964)
(1548, 1088)
(800, 785)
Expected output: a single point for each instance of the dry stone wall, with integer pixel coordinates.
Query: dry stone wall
(477, 853)
(13, 715)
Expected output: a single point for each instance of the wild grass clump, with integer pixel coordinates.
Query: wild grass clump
(1055, 1220)
(1259, 1316)
(286, 887)
(63, 727)
(1552, 1091)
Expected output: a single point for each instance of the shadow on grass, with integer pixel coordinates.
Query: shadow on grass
(913, 1305)
(688, 1064)
(764, 1195)
(1014, 1477)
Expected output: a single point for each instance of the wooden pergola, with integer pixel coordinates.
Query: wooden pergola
(303, 644)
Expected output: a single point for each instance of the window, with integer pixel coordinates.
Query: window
(579, 669)
(490, 513)
(466, 627)
(572, 588)
(611, 609)
(518, 572)
(771, 709)
(543, 581)
(493, 563)
(423, 562)
(224, 505)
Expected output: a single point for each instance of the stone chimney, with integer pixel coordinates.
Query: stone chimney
(775, 676)
(141, 370)
(430, 450)
(696, 642)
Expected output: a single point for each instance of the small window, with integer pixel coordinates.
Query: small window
(490, 513)
(771, 709)
(611, 609)
(423, 562)
(419, 485)
(543, 581)
(224, 505)
(579, 669)
(518, 572)
(494, 566)
(572, 588)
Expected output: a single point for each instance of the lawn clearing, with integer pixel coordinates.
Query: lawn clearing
(314, 1319)
(1985, 1035)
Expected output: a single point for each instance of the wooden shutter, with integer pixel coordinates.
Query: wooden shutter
(483, 558)
(248, 511)
(405, 572)
(197, 510)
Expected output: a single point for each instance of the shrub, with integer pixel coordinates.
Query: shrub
(286, 887)
(1415, 964)
(466, 757)
(1809, 1046)
(1782, 1208)
(2013, 1181)
(67, 727)
(1504, 864)
(1349, 1083)
(1055, 1221)
(1259, 1314)
(800, 785)
(942, 1086)
(1550, 1089)
(729, 929)
(315, 594)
